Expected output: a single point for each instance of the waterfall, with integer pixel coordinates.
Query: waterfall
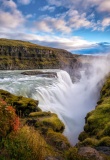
(70, 101)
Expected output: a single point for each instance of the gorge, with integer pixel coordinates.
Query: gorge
(70, 101)
(71, 92)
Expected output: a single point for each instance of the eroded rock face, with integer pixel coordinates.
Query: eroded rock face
(89, 152)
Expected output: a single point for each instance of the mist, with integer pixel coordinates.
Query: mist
(72, 101)
(84, 95)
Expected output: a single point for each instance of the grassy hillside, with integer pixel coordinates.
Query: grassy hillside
(97, 127)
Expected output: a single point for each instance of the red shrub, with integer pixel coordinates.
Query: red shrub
(9, 121)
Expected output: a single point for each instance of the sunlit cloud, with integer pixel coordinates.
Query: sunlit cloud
(12, 18)
(50, 24)
(104, 6)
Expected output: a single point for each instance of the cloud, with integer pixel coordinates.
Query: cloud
(73, 44)
(48, 8)
(69, 43)
(42, 26)
(24, 2)
(99, 48)
(55, 2)
(15, 25)
(77, 20)
(12, 18)
(87, 13)
(29, 16)
(67, 22)
(106, 22)
(9, 4)
(50, 24)
(101, 5)
(104, 6)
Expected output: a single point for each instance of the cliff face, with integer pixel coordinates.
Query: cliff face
(25, 55)
(97, 128)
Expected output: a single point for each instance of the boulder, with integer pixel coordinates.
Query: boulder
(90, 153)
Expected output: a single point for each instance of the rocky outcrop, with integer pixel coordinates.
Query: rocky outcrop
(24, 106)
(41, 73)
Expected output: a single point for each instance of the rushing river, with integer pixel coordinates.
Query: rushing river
(71, 102)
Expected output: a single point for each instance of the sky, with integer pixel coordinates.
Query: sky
(79, 26)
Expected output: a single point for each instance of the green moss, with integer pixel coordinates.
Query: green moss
(83, 135)
(54, 123)
(105, 92)
(39, 114)
(72, 154)
(22, 105)
(51, 121)
(90, 142)
(98, 121)
(57, 140)
(105, 141)
(106, 131)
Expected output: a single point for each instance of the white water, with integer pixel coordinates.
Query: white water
(59, 95)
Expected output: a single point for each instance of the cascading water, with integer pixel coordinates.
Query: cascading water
(71, 102)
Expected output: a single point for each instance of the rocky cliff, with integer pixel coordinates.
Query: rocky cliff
(15, 54)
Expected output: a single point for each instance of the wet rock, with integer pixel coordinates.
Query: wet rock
(40, 73)
(89, 152)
